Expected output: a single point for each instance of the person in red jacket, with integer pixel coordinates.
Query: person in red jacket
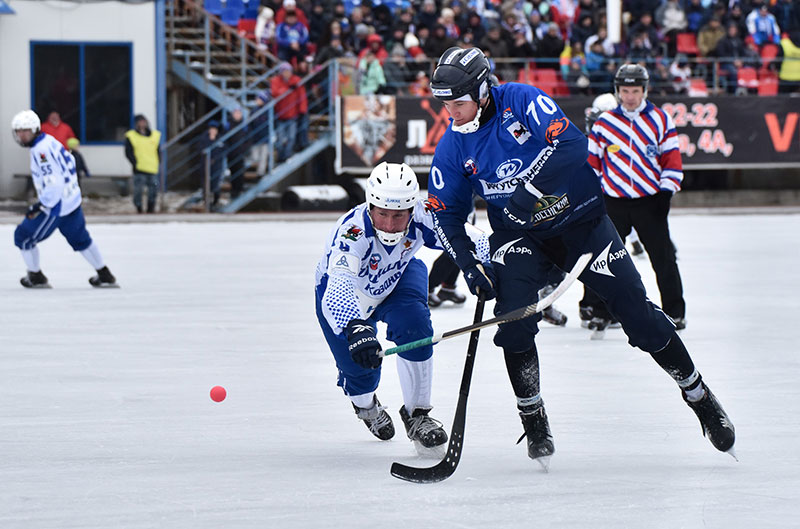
(292, 104)
(57, 128)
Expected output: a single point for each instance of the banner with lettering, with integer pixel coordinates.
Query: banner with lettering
(714, 133)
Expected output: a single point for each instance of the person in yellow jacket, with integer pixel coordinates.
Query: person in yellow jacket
(789, 74)
(141, 149)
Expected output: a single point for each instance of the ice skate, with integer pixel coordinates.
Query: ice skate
(376, 419)
(637, 249)
(598, 327)
(714, 421)
(680, 323)
(451, 294)
(430, 439)
(537, 430)
(433, 300)
(35, 280)
(554, 316)
(103, 279)
(585, 314)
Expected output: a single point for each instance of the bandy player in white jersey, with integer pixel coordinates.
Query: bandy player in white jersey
(367, 274)
(59, 205)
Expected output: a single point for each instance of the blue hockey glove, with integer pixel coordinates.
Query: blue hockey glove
(33, 210)
(364, 346)
(519, 208)
(481, 279)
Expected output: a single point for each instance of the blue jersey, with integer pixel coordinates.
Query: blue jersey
(525, 137)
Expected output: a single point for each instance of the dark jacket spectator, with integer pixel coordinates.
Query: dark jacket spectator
(551, 47)
(474, 28)
(397, 74)
(648, 31)
(439, 42)
(493, 43)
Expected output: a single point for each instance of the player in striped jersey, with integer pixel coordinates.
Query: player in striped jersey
(634, 150)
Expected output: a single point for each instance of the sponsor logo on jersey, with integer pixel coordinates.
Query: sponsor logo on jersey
(549, 207)
(602, 263)
(509, 249)
(652, 151)
(42, 158)
(519, 132)
(353, 233)
(434, 204)
(374, 261)
(406, 249)
(555, 128)
(509, 168)
(470, 166)
(471, 54)
(504, 186)
(507, 114)
(613, 148)
(362, 328)
(343, 262)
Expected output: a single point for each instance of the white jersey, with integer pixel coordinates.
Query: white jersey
(362, 271)
(53, 173)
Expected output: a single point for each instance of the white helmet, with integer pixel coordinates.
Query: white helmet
(392, 186)
(25, 120)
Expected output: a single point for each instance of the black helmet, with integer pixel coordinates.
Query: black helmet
(631, 75)
(461, 72)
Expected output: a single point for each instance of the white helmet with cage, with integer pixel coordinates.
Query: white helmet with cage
(25, 120)
(392, 186)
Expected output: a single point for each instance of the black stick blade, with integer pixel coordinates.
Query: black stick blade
(438, 472)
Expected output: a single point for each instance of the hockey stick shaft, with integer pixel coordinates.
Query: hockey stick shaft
(445, 468)
(517, 314)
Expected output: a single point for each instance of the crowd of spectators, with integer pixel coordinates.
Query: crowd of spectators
(393, 43)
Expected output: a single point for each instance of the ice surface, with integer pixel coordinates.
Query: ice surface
(106, 420)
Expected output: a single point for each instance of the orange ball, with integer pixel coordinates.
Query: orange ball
(218, 393)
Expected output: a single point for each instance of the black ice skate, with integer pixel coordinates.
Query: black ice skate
(680, 323)
(35, 280)
(537, 430)
(586, 316)
(426, 433)
(433, 300)
(553, 316)
(103, 279)
(637, 249)
(714, 421)
(598, 327)
(451, 294)
(376, 419)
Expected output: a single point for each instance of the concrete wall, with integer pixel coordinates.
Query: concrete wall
(77, 22)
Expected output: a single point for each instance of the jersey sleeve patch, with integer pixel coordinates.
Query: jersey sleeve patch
(342, 262)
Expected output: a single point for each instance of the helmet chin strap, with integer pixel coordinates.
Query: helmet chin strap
(470, 126)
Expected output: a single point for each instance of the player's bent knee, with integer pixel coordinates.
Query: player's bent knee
(21, 235)
(515, 336)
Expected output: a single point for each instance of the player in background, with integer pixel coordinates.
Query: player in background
(59, 205)
(513, 146)
(634, 150)
(367, 274)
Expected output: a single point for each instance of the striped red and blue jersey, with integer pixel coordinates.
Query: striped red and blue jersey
(636, 157)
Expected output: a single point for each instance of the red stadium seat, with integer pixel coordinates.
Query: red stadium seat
(247, 28)
(767, 83)
(768, 53)
(747, 77)
(547, 80)
(697, 87)
(686, 43)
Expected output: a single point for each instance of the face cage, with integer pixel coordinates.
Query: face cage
(14, 135)
(390, 238)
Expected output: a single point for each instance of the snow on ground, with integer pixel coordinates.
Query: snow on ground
(106, 421)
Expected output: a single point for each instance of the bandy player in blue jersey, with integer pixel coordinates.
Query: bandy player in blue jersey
(513, 146)
(59, 205)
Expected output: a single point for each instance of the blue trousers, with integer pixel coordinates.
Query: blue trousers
(522, 264)
(407, 316)
(30, 232)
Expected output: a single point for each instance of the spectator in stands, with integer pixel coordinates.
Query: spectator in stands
(439, 42)
(680, 74)
(577, 78)
(787, 15)
(375, 47)
(789, 74)
(761, 25)
(735, 55)
(80, 164)
(396, 71)
(333, 50)
(428, 15)
(291, 37)
(591, 8)
(141, 149)
(448, 20)
(293, 102)
(302, 71)
(239, 145)
(538, 25)
(639, 7)
(639, 52)
(736, 16)
(332, 31)
(58, 129)
(473, 31)
(521, 48)
(709, 36)
(371, 76)
(671, 18)
(291, 6)
(265, 29)
(212, 159)
(320, 19)
(602, 37)
(696, 15)
(648, 32)
(383, 22)
(551, 46)
(660, 82)
(421, 86)
(584, 29)
(260, 127)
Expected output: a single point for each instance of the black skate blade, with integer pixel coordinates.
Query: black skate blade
(38, 286)
(731, 452)
(544, 462)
